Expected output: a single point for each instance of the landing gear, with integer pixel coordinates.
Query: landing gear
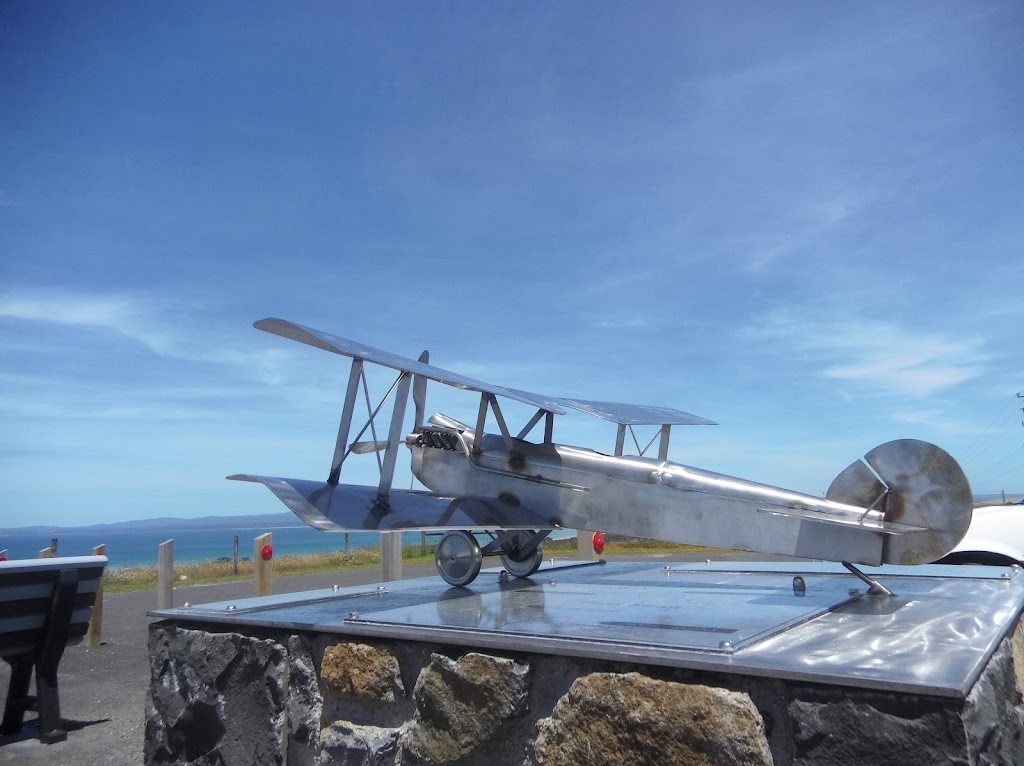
(459, 556)
(518, 560)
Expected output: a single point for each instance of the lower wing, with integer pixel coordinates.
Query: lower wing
(341, 507)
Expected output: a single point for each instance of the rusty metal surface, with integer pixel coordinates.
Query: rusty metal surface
(927, 488)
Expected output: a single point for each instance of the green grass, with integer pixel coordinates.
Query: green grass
(117, 580)
(120, 580)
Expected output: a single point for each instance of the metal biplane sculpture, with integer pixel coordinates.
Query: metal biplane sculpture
(906, 502)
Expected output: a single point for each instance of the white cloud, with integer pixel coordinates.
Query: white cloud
(935, 419)
(874, 352)
(158, 323)
(128, 314)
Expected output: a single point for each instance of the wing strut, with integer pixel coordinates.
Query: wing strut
(549, 424)
(529, 426)
(342, 449)
(340, 446)
(387, 472)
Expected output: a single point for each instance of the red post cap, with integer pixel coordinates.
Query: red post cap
(266, 552)
(599, 542)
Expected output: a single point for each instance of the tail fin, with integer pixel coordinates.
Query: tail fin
(915, 485)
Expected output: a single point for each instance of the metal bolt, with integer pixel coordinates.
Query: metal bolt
(187, 605)
(799, 586)
(231, 607)
(382, 589)
(707, 561)
(725, 645)
(503, 576)
(553, 583)
(335, 588)
(353, 615)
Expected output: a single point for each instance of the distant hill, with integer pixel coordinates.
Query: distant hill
(262, 521)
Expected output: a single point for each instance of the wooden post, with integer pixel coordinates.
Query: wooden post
(53, 545)
(391, 556)
(423, 543)
(165, 575)
(234, 561)
(262, 569)
(94, 635)
(585, 545)
(346, 541)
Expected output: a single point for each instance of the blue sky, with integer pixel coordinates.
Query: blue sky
(802, 220)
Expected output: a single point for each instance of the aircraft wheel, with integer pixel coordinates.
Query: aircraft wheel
(458, 558)
(525, 566)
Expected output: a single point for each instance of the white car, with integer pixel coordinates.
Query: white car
(996, 536)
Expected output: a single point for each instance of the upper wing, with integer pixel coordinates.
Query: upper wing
(636, 414)
(345, 347)
(623, 414)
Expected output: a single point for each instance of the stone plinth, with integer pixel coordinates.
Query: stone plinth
(267, 696)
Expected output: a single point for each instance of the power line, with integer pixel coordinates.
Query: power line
(999, 423)
(988, 472)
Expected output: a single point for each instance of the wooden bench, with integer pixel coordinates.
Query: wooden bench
(45, 605)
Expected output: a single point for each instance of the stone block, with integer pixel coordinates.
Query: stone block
(1016, 641)
(361, 670)
(352, 745)
(462, 703)
(615, 718)
(304, 704)
(215, 698)
(993, 714)
(845, 726)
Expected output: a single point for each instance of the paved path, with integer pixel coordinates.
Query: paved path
(103, 690)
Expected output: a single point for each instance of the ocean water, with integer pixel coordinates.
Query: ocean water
(139, 547)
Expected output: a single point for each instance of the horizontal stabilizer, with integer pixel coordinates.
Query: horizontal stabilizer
(820, 517)
(350, 507)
